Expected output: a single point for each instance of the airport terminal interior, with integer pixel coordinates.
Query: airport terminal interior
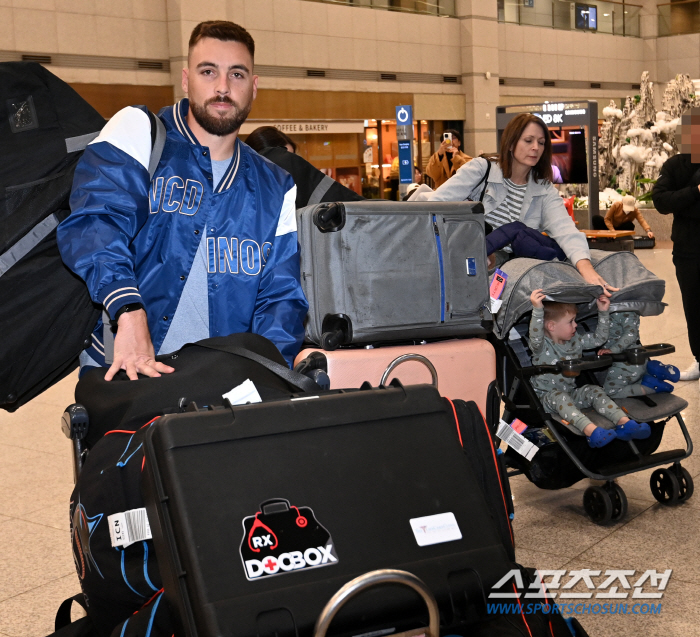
(367, 90)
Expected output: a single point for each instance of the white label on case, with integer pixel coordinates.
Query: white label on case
(436, 529)
(245, 393)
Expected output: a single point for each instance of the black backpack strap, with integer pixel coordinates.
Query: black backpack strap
(63, 612)
(485, 179)
(293, 378)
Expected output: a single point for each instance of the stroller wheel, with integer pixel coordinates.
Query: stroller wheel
(664, 486)
(618, 499)
(598, 504)
(685, 484)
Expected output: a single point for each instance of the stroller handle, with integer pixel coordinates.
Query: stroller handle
(569, 368)
(640, 355)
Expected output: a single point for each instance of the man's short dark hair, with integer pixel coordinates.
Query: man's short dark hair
(224, 31)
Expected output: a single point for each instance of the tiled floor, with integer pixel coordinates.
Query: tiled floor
(552, 532)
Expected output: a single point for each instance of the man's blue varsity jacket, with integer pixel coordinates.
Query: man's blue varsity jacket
(134, 240)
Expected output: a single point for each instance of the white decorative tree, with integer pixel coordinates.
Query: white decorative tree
(636, 141)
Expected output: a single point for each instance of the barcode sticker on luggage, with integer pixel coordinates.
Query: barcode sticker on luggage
(513, 439)
(129, 527)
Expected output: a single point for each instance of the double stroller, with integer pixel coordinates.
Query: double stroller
(563, 455)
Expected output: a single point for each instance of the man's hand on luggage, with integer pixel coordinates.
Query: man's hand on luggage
(650, 234)
(133, 349)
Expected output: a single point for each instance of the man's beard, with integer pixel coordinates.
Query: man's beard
(216, 125)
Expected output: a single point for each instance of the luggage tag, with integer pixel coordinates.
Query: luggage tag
(471, 266)
(498, 284)
(243, 394)
(514, 439)
(128, 527)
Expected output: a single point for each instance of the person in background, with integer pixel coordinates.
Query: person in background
(312, 185)
(518, 187)
(621, 216)
(270, 137)
(417, 175)
(677, 192)
(394, 179)
(447, 160)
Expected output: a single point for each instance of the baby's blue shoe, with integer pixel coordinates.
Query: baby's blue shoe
(601, 437)
(659, 386)
(633, 430)
(663, 372)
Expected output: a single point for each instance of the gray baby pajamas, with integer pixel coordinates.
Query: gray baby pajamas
(559, 395)
(623, 379)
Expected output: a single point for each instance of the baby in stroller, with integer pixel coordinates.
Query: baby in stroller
(624, 380)
(553, 337)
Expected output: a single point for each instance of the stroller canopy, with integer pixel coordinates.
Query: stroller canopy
(640, 290)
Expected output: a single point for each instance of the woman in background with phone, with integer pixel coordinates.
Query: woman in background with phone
(448, 158)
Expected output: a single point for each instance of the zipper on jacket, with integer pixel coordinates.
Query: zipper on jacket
(442, 269)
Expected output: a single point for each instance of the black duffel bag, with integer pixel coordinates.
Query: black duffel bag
(204, 371)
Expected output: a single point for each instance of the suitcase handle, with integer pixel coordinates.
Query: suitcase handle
(376, 578)
(409, 357)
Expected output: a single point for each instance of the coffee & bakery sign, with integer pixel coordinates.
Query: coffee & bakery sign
(305, 127)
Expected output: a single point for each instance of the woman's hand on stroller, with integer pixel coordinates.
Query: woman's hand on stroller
(537, 297)
(603, 302)
(602, 352)
(585, 269)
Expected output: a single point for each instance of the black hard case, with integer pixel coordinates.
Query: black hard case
(366, 462)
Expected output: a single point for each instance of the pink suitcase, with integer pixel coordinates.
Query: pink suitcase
(466, 368)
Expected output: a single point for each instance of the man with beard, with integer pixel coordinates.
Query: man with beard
(208, 246)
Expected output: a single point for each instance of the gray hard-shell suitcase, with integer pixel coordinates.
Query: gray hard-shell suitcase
(386, 271)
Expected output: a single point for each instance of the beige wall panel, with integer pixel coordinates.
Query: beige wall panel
(150, 39)
(258, 14)
(73, 75)
(115, 9)
(200, 10)
(75, 6)
(314, 18)
(107, 99)
(35, 30)
(150, 10)
(427, 106)
(291, 104)
(43, 5)
(7, 35)
(77, 33)
(115, 36)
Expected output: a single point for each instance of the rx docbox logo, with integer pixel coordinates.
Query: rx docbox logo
(282, 538)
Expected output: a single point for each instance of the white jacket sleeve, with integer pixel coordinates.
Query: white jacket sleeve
(459, 187)
(557, 223)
